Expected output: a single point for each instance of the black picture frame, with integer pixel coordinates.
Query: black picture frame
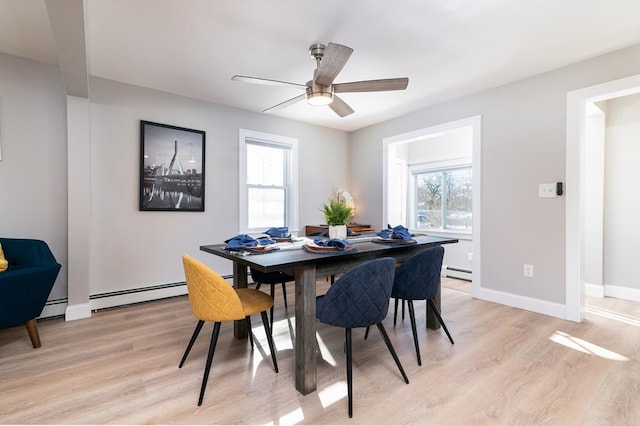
(172, 168)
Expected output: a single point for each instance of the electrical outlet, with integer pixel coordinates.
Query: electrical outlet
(528, 271)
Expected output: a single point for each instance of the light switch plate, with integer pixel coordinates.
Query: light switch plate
(547, 190)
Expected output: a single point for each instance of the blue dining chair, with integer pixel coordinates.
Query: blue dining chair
(418, 278)
(360, 298)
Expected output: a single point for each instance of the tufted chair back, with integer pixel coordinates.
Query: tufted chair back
(418, 278)
(210, 296)
(360, 297)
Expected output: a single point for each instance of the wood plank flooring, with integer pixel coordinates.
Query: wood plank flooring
(508, 366)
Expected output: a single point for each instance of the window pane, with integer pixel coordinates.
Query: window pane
(429, 200)
(459, 200)
(266, 207)
(265, 165)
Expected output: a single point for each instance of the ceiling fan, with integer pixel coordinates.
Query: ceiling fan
(321, 90)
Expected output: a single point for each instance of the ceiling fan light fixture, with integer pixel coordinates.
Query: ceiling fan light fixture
(319, 98)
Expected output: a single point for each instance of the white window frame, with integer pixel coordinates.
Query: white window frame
(291, 176)
(431, 167)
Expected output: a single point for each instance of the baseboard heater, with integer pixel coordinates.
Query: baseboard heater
(57, 307)
(459, 273)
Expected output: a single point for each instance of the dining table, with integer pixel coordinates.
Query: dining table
(307, 267)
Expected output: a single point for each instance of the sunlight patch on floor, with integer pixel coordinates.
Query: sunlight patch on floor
(325, 352)
(333, 393)
(627, 319)
(584, 346)
(296, 416)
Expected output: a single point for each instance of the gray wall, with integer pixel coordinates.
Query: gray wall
(523, 145)
(132, 249)
(33, 169)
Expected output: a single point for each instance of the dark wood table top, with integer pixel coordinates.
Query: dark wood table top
(284, 259)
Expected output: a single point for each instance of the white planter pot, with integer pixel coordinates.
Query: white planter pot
(338, 231)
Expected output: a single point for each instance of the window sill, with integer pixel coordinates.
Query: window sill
(461, 235)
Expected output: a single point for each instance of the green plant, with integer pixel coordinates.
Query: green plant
(337, 212)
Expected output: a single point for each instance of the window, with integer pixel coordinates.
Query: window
(268, 181)
(443, 198)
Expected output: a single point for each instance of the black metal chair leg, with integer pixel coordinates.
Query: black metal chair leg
(435, 311)
(284, 293)
(272, 347)
(258, 284)
(347, 335)
(412, 317)
(385, 337)
(366, 333)
(191, 342)
(395, 312)
(250, 331)
(273, 294)
(207, 368)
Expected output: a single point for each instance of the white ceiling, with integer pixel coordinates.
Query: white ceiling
(448, 49)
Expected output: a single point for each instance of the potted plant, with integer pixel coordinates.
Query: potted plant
(338, 215)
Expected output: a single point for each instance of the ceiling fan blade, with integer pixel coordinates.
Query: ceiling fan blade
(372, 85)
(340, 107)
(286, 103)
(266, 81)
(334, 58)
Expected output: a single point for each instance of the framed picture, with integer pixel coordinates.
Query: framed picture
(171, 168)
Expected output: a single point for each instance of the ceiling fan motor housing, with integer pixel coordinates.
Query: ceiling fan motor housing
(318, 94)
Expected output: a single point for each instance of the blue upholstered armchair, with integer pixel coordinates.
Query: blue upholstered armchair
(26, 284)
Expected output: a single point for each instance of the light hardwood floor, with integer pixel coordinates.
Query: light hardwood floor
(508, 366)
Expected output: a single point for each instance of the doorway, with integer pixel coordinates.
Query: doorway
(396, 170)
(578, 185)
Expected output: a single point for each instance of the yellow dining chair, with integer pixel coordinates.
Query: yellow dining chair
(213, 299)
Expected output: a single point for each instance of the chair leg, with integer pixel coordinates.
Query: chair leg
(248, 318)
(268, 332)
(273, 294)
(191, 342)
(366, 333)
(284, 293)
(395, 311)
(207, 368)
(32, 329)
(435, 311)
(347, 335)
(258, 284)
(412, 317)
(385, 337)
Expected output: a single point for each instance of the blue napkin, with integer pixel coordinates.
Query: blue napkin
(281, 232)
(241, 241)
(396, 233)
(339, 244)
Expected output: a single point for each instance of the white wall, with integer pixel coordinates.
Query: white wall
(523, 145)
(622, 193)
(33, 169)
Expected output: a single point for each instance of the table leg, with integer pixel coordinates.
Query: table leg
(432, 321)
(240, 280)
(305, 339)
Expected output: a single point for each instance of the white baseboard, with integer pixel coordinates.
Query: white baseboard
(60, 307)
(76, 312)
(522, 302)
(143, 295)
(594, 290)
(615, 291)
